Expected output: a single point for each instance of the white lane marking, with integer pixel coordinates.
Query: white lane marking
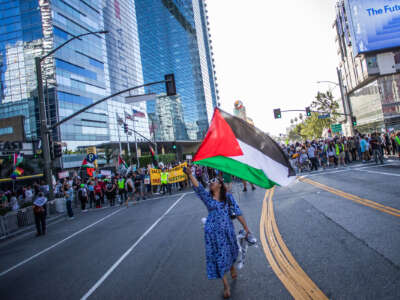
(327, 172)
(348, 168)
(165, 197)
(381, 173)
(116, 264)
(58, 243)
(376, 166)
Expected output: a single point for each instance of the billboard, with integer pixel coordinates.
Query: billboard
(374, 24)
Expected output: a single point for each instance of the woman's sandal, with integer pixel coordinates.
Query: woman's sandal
(227, 294)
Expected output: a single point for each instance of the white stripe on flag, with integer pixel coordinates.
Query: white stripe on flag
(273, 170)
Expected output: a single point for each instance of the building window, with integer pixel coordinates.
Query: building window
(6, 130)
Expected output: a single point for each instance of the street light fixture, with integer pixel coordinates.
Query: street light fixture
(44, 132)
(327, 81)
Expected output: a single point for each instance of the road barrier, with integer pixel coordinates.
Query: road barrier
(24, 217)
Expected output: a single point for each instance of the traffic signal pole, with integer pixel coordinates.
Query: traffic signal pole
(44, 133)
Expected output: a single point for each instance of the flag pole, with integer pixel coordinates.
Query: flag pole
(134, 134)
(119, 136)
(127, 141)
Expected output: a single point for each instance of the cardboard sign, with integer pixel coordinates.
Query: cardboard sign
(64, 174)
(174, 175)
(105, 172)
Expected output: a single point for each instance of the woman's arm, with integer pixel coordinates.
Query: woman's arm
(188, 172)
(243, 222)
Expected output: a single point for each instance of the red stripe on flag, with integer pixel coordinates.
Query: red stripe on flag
(219, 141)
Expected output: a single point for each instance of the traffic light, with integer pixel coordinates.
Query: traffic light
(277, 113)
(125, 128)
(170, 84)
(51, 145)
(174, 146)
(354, 121)
(308, 112)
(57, 150)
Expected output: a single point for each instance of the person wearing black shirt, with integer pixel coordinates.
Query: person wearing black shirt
(139, 181)
(376, 148)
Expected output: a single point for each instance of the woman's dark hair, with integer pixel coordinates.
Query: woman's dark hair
(222, 193)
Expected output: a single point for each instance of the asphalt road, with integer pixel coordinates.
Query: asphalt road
(155, 249)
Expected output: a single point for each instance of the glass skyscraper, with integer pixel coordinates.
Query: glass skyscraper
(174, 38)
(147, 39)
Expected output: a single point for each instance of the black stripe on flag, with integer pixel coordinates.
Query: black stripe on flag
(259, 140)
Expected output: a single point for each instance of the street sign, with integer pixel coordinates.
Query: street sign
(91, 157)
(327, 116)
(336, 128)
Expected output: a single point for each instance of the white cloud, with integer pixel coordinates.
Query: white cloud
(270, 54)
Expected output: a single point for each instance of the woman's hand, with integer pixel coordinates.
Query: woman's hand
(242, 221)
(187, 170)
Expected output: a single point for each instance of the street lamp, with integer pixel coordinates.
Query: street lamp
(44, 130)
(343, 94)
(327, 81)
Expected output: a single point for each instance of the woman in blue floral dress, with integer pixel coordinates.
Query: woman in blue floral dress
(219, 233)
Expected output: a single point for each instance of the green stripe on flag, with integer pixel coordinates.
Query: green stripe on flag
(236, 168)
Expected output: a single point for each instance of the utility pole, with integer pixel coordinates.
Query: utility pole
(43, 129)
(345, 100)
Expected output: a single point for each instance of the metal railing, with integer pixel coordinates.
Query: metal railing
(24, 217)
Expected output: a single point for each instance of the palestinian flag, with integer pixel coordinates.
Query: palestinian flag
(238, 148)
(18, 159)
(86, 164)
(121, 162)
(153, 156)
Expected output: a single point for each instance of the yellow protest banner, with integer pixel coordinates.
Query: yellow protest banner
(155, 176)
(174, 175)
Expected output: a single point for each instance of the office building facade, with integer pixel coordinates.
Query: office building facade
(145, 41)
(80, 73)
(174, 38)
(369, 65)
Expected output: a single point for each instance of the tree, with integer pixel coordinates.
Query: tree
(297, 133)
(313, 127)
(324, 102)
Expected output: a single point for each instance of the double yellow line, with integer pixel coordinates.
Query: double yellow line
(296, 281)
(383, 208)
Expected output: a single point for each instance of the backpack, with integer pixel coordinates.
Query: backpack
(83, 192)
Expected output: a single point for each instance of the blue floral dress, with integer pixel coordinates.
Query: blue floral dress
(219, 234)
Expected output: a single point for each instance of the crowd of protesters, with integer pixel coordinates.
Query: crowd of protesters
(96, 192)
(342, 151)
